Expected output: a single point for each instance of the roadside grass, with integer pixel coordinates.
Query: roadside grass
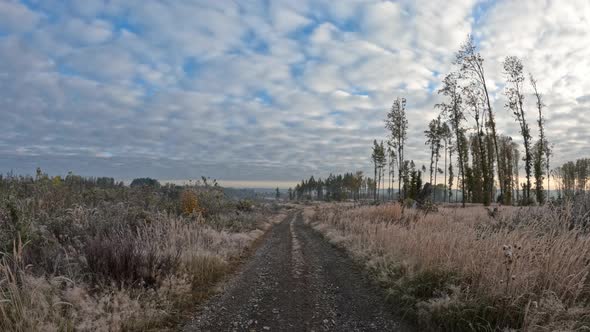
(469, 269)
(79, 256)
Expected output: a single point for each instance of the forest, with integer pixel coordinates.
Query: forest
(471, 161)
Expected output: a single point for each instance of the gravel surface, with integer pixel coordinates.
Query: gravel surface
(296, 281)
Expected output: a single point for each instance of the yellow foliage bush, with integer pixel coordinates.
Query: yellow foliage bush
(56, 181)
(189, 202)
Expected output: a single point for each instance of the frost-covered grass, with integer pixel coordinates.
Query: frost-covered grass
(81, 256)
(469, 269)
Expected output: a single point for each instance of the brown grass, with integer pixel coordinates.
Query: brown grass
(80, 257)
(460, 269)
(32, 303)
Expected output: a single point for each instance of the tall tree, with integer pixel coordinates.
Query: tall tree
(397, 124)
(319, 189)
(513, 70)
(392, 157)
(451, 172)
(434, 137)
(446, 135)
(414, 183)
(471, 67)
(382, 160)
(431, 138)
(473, 100)
(507, 156)
(582, 174)
(375, 159)
(516, 171)
(405, 178)
(453, 109)
(475, 180)
(542, 149)
(358, 182)
(440, 133)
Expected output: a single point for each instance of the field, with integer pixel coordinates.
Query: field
(90, 254)
(93, 255)
(474, 268)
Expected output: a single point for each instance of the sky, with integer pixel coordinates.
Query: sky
(264, 91)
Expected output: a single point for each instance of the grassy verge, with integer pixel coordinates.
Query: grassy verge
(468, 269)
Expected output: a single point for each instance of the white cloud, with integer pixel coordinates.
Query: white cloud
(275, 91)
(549, 36)
(286, 21)
(17, 18)
(383, 23)
(93, 32)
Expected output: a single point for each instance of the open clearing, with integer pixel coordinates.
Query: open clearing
(296, 281)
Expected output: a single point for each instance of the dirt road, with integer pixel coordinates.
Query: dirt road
(296, 281)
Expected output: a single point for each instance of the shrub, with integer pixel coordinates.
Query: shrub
(119, 258)
(245, 205)
(213, 201)
(189, 202)
(205, 270)
(409, 203)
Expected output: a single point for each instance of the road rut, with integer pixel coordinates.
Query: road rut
(296, 281)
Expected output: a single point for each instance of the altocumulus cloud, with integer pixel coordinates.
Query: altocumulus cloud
(262, 90)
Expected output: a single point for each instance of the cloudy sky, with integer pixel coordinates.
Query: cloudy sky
(263, 90)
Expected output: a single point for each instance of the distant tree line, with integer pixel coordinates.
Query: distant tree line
(145, 182)
(335, 187)
(572, 178)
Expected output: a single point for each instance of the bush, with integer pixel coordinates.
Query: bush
(213, 201)
(409, 203)
(189, 202)
(245, 205)
(119, 258)
(205, 270)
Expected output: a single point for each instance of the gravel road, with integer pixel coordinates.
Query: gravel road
(296, 281)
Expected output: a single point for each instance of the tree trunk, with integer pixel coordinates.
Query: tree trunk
(445, 184)
(494, 136)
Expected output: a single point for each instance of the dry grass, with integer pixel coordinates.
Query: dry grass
(114, 259)
(462, 269)
(35, 303)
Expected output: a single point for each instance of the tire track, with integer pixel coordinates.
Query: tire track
(296, 281)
